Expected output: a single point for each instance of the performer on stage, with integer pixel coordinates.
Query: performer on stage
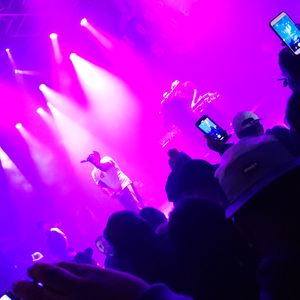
(179, 118)
(181, 107)
(112, 181)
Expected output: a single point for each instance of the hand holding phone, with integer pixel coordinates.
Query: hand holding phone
(211, 129)
(287, 31)
(216, 136)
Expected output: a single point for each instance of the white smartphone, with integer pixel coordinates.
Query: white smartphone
(287, 31)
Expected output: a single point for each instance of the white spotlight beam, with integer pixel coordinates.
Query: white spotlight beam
(56, 48)
(10, 58)
(100, 37)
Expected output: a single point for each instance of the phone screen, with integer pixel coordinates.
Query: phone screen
(210, 128)
(287, 30)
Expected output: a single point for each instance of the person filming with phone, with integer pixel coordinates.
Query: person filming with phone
(245, 124)
(113, 182)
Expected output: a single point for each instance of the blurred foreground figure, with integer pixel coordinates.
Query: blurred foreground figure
(177, 159)
(290, 68)
(73, 281)
(293, 113)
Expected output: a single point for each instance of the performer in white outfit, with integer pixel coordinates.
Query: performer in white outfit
(108, 175)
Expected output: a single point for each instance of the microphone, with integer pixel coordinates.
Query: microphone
(84, 161)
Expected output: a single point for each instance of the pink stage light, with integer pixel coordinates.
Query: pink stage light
(39, 110)
(42, 87)
(26, 72)
(49, 105)
(99, 85)
(100, 37)
(73, 56)
(83, 22)
(56, 48)
(63, 103)
(19, 126)
(53, 36)
(11, 59)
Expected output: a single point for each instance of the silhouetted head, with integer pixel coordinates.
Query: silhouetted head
(57, 242)
(85, 257)
(153, 216)
(289, 64)
(173, 155)
(127, 232)
(211, 251)
(196, 224)
(196, 179)
(177, 158)
(292, 114)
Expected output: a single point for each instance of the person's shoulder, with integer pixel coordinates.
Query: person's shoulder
(289, 138)
(243, 145)
(252, 141)
(281, 133)
(278, 130)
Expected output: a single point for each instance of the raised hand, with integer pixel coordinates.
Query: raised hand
(94, 158)
(69, 281)
(217, 145)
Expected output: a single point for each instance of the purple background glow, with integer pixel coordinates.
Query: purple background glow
(108, 98)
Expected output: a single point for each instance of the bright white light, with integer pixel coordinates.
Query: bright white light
(19, 126)
(26, 72)
(100, 37)
(83, 22)
(49, 105)
(42, 87)
(5, 160)
(73, 55)
(97, 84)
(53, 36)
(39, 110)
(7, 50)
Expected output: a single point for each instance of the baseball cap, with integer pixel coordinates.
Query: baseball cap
(244, 120)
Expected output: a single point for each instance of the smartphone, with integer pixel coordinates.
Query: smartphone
(288, 31)
(212, 129)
